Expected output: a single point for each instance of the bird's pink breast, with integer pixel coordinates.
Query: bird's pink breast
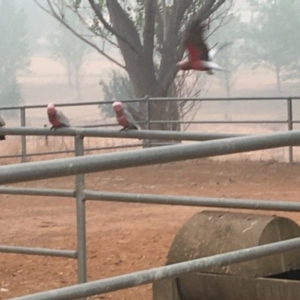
(54, 120)
(122, 120)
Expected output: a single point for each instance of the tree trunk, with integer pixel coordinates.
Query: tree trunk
(140, 67)
(166, 111)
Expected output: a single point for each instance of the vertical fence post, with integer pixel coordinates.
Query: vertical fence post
(290, 125)
(80, 216)
(148, 119)
(23, 137)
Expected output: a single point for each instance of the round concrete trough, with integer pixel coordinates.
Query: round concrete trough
(213, 232)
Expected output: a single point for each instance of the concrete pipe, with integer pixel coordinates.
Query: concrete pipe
(213, 232)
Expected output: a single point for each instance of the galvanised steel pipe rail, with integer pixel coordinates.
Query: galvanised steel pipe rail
(155, 274)
(131, 134)
(111, 161)
(192, 201)
(72, 151)
(224, 99)
(221, 122)
(35, 106)
(38, 251)
(85, 150)
(37, 192)
(159, 199)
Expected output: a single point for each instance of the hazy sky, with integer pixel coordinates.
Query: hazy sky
(40, 23)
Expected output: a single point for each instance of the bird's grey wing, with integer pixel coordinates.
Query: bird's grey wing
(62, 118)
(129, 117)
(2, 122)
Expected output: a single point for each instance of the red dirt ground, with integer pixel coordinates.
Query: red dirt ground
(124, 237)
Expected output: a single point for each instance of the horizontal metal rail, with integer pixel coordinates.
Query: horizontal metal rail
(160, 199)
(11, 156)
(155, 274)
(113, 147)
(85, 150)
(193, 201)
(37, 192)
(49, 153)
(224, 99)
(132, 158)
(38, 251)
(221, 122)
(34, 106)
(132, 134)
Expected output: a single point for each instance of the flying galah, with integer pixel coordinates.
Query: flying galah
(2, 124)
(124, 117)
(199, 57)
(56, 117)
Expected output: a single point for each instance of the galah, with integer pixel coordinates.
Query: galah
(124, 117)
(2, 124)
(56, 117)
(199, 56)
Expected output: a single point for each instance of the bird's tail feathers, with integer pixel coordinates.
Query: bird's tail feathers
(213, 66)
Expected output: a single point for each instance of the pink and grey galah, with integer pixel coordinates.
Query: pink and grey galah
(2, 124)
(124, 117)
(56, 117)
(199, 55)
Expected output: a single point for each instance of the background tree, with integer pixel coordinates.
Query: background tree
(68, 49)
(14, 51)
(148, 35)
(271, 34)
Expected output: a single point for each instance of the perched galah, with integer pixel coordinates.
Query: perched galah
(56, 117)
(124, 117)
(2, 124)
(199, 57)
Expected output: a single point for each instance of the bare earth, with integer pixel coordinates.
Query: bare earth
(124, 237)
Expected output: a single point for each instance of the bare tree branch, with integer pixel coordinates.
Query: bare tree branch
(208, 8)
(95, 7)
(83, 21)
(122, 23)
(53, 13)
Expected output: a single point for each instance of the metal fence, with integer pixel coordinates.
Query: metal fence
(81, 165)
(288, 121)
